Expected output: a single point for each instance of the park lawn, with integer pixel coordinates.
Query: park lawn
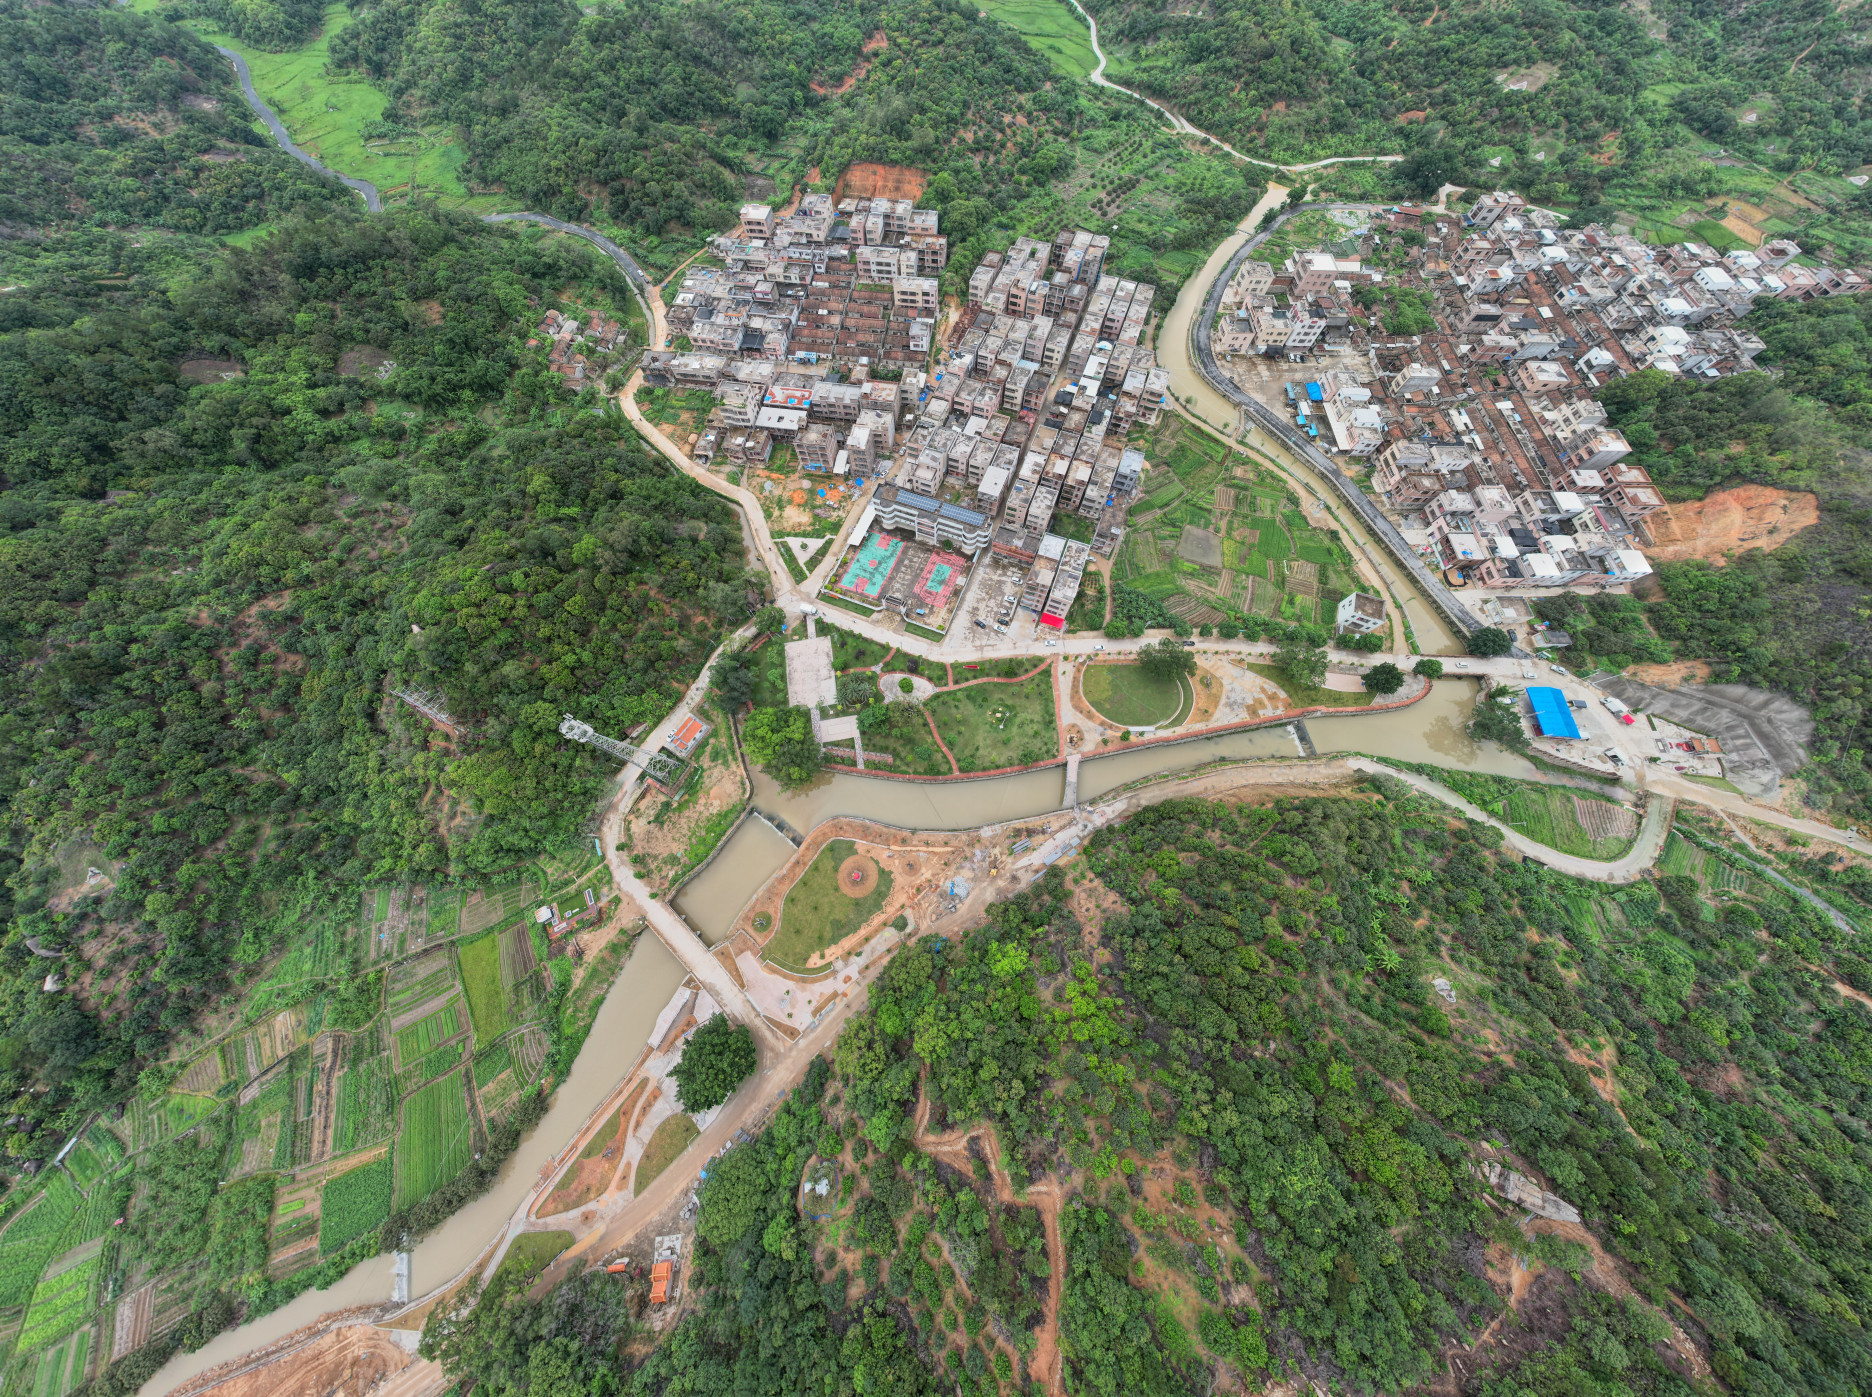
(816, 914)
(1125, 694)
(532, 1252)
(1051, 27)
(990, 726)
(434, 1143)
(1306, 696)
(480, 972)
(671, 1138)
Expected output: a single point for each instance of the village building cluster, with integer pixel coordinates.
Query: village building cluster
(1484, 435)
(816, 332)
(572, 341)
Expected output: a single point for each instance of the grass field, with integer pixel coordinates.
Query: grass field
(327, 119)
(816, 913)
(354, 1203)
(480, 972)
(433, 1145)
(989, 726)
(670, 1140)
(1126, 694)
(1051, 27)
(1306, 696)
(532, 1252)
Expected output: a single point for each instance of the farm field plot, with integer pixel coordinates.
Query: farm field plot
(427, 1034)
(989, 726)
(481, 980)
(1051, 27)
(319, 954)
(366, 1104)
(62, 1367)
(59, 1304)
(354, 1203)
(492, 907)
(443, 916)
(423, 977)
(332, 118)
(29, 1240)
(1128, 696)
(260, 1122)
(434, 1142)
(818, 913)
(94, 1156)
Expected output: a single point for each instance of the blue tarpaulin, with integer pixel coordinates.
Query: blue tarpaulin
(1315, 393)
(1551, 713)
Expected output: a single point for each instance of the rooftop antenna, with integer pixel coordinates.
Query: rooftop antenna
(658, 766)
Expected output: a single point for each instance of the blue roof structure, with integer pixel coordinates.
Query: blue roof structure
(1316, 393)
(1551, 714)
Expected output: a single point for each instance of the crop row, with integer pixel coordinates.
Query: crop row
(58, 1304)
(353, 1203)
(426, 1034)
(434, 1143)
(366, 1105)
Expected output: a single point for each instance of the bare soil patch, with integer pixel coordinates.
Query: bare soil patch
(857, 876)
(1727, 521)
(209, 370)
(867, 180)
(1671, 675)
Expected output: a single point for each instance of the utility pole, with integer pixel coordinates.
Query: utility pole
(658, 766)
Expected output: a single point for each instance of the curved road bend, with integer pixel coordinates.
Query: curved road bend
(362, 186)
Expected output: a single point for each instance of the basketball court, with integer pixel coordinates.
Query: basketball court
(870, 570)
(938, 579)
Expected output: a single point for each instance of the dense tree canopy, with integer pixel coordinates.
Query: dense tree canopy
(110, 118)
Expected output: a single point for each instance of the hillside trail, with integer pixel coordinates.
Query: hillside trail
(951, 1148)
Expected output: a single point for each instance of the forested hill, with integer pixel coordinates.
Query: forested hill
(647, 112)
(1191, 1115)
(108, 118)
(237, 509)
(1590, 86)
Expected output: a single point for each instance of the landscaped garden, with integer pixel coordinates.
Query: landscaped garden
(828, 904)
(990, 726)
(1126, 695)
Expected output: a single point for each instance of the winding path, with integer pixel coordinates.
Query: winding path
(1097, 77)
(372, 200)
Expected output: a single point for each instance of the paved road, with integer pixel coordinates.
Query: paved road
(363, 186)
(1097, 77)
(638, 279)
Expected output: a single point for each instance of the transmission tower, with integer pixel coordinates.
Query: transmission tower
(429, 704)
(658, 766)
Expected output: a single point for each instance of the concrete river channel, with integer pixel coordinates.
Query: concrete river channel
(1429, 730)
